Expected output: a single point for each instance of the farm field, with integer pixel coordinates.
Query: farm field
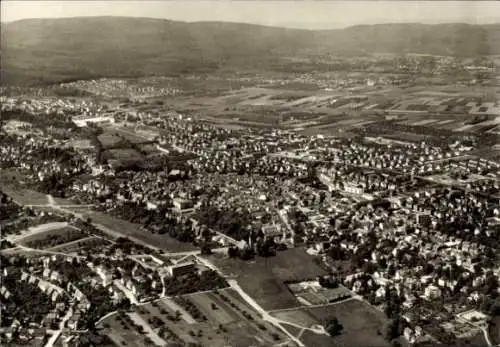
(265, 278)
(219, 322)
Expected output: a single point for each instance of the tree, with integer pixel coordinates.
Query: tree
(333, 327)
(206, 249)
(391, 329)
(232, 252)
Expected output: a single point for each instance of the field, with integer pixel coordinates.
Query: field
(109, 139)
(494, 330)
(124, 154)
(359, 320)
(130, 135)
(91, 243)
(134, 230)
(265, 278)
(210, 318)
(52, 237)
(19, 194)
(125, 145)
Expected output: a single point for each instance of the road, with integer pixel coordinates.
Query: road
(265, 314)
(284, 219)
(233, 283)
(116, 234)
(113, 233)
(43, 251)
(487, 338)
(58, 333)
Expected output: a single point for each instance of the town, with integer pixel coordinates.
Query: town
(173, 183)
(111, 214)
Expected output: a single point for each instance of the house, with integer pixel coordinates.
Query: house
(105, 276)
(432, 292)
(380, 293)
(272, 231)
(182, 205)
(409, 335)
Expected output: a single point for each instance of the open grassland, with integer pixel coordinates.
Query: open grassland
(360, 322)
(135, 230)
(265, 278)
(10, 185)
(130, 135)
(51, 237)
(109, 139)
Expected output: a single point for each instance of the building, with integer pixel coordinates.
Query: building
(272, 231)
(181, 269)
(352, 189)
(432, 292)
(182, 204)
(85, 120)
(424, 220)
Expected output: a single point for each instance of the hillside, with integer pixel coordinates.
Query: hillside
(36, 50)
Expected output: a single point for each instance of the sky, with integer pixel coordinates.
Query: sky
(295, 14)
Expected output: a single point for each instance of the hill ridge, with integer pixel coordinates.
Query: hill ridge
(50, 49)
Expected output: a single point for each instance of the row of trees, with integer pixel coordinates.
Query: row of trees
(194, 282)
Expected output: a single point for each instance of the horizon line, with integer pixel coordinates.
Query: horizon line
(283, 26)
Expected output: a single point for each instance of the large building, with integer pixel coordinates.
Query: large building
(181, 269)
(182, 205)
(85, 120)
